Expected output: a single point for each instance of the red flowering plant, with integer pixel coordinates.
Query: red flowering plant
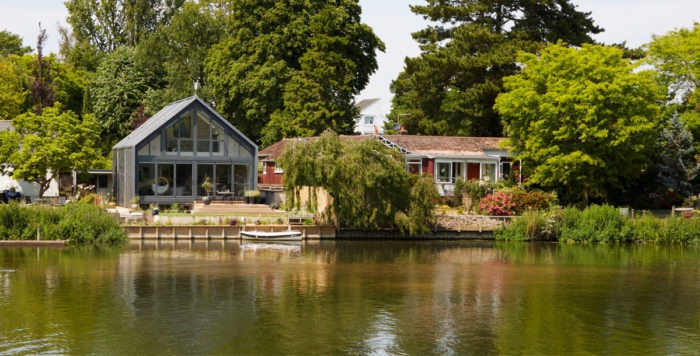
(499, 203)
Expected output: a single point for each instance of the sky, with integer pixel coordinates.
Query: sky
(633, 21)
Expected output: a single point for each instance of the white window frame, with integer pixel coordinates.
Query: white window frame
(414, 161)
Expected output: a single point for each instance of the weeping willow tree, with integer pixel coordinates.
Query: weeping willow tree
(367, 182)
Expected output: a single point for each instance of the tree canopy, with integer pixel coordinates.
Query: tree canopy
(292, 68)
(11, 43)
(109, 24)
(582, 120)
(676, 165)
(451, 87)
(367, 181)
(42, 146)
(676, 57)
(116, 91)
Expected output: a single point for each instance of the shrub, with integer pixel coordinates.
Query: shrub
(470, 192)
(78, 223)
(648, 228)
(597, 223)
(532, 225)
(533, 200)
(499, 203)
(85, 223)
(671, 230)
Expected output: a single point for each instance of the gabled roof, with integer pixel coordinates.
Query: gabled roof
(163, 116)
(411, 145)
(365, 103)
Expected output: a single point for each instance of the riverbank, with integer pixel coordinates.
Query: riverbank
(33, 243)
(447, 227)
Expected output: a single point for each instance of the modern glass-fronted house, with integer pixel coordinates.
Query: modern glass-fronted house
(166, 160)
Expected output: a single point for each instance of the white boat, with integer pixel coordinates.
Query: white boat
(289, 235)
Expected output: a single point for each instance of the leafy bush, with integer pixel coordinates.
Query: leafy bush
(78, 223)
(597, 223)
(499, 203)
(468, 193)
(532, 225)
(533, 200)
(671, 230)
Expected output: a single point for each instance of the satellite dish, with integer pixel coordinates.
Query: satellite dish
(396, 127)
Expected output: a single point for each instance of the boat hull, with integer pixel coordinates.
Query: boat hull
(271, 236)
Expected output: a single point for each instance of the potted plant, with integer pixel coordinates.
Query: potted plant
(207, 187)
(251, 196)
(135, 202)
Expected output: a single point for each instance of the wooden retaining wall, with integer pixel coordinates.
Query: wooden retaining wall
(222, 232)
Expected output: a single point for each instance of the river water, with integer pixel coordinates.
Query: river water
(360, 298)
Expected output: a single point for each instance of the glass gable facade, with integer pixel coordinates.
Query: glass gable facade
(190, 149)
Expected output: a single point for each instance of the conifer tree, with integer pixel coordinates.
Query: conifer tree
(451, 87)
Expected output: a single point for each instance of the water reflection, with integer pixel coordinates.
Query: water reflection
(215, 297)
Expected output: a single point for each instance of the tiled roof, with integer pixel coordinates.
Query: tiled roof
(428, 146)
(432, 146)
(273, 151)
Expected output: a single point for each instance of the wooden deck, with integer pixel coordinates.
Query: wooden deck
(234, 208)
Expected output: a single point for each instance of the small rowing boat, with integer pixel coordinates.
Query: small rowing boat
(289, 235)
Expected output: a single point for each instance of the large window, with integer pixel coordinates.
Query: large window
(189, 134)
(165, 179)
(209, 136)
(178, 136)
(369, 120)
(444, 172)
(204, 172)
(240, 179)
(146, 177)
(449, 172)
(223, 178)
(183, 180)
(488, 172)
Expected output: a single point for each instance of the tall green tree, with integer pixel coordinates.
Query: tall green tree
(11, 43)
(677, 164)
(676, 57)
(582, 120)
(43, 146)
(451, 87)
(319, 49)
(176, 51)
(109, 24)
(116, 91)
(14, 88)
